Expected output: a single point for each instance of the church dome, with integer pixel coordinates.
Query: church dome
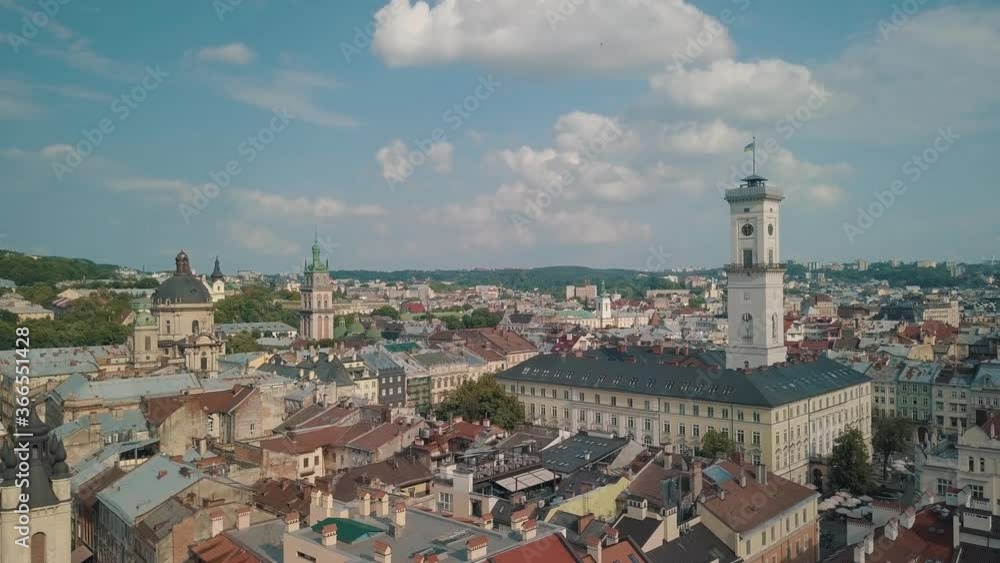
(183, 287)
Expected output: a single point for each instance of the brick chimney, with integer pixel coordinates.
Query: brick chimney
(475, 548)
(399, 514)
(611, 535)
(518, 519)
(243, 518)
(383, 552)
(329, 533)
(696, 481)
(291, 522)
(528, 529)
(487, 521)
(583, 522)
(594, 549)
(670, 531)
(364, 504)
(761, 471)
(381, 504)
(892, 529)
(217, 522)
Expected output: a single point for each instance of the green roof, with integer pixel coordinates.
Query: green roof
(348, 531)
(402, 347)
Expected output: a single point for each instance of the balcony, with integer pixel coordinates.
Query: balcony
(754, 188)
(777, 267)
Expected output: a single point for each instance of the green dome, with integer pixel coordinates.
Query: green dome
(144, 318)
(356, 327)
(373, 332)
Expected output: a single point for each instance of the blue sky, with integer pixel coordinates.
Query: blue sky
(598, 135)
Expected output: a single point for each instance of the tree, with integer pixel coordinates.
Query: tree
(255, 304)
(851, 464)
(715, 444)
(386, 311)
(890, 437)
(482, 398)
(241, 342)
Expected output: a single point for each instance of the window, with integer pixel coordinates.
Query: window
(597, 418)
(630, 422)
(614, 401)
(566, 414)
(696, 430)
(682, 429)
(711, 412)
(756, 416)
(666, 428)
(629, 402)
(305, 462)
(943, 485)
(597, 399)
(565, 394)
(739, 436)
(756, 438)
(763, 538)
(681, 407)
(739, 415)
(977, 491)
(647, 406)
(583, 416)
(725, 413)
(445, 501)
(647, 424)
(581, 397)
(972, 463)
(168, 327)
(982, 465)
(148, 343)
(747, 257)
(614, 421)
(194, 327)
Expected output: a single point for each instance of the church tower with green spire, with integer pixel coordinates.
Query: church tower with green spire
(316, 314)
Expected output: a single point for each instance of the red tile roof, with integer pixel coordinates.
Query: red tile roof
(745, 508)
(550, 549)
(221, 549)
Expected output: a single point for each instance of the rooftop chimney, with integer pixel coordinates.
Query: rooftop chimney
(475, 548)
(329, 533)
(399, 514)
(383, 552)
(529, 529)
(743, 478)
(217, 523)
(892, 529)
(364, 504)
(762, 473)
(611, 535)
(696, 480)
(487, 522)
(859, 553)
(291, 522)
(594, 549)
(243, 518)
(382, 504)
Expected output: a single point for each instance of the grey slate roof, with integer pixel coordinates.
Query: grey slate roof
(642, 372)
(144, 488)
(698, 545)
(229, 329)
(579, 451)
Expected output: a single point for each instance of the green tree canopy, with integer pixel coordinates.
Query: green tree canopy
(716, 444)
(254, 304)
(88, 321)
(891, 436)
(386, 311)
(241, 342)
(851, 464)
(482, 398)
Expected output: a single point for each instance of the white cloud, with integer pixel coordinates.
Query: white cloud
(613, 37)
(396, 164)
(319, 208)
(713, 137)
(294, 89)
(152, 185)
(763, 89)
(260, 239)
(233, 53)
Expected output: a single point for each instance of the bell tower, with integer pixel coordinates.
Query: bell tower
(755, 276)
(316, 310)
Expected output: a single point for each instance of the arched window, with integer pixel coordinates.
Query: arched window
(38, 548)
(148, 343)
(204, 362)
(195, 327)
(774, 326)
(747, 328)
(168, 327)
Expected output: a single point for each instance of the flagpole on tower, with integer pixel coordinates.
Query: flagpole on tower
(754, 143)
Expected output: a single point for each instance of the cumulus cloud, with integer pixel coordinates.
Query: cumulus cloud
(625, 36)
(296, 90)
(260, 239)
(713, 137)
(233, 53)
(319, 208)
(397, 161)
(763, 89)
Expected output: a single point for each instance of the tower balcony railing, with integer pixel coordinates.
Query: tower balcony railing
(757, 267)
(754, 191)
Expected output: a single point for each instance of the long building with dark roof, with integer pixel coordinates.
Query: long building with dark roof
(779, 415)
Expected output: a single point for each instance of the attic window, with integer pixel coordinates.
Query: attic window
(601, 378)
(669, 385)
(727, 390)
(713, 389)
(633, 381)
(617, 380)
(649, 383)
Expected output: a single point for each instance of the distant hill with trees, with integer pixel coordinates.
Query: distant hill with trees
(23, 269)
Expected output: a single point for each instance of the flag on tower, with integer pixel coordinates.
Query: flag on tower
(750, 147)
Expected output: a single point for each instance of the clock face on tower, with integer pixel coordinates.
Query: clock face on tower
(747, 229)
(770, 230)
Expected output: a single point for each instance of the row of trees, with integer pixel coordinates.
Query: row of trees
(88, 321)
(26, 270)
(479, 399)
(256, 304)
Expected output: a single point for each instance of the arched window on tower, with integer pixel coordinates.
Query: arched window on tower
(194, 327)
(747, 328)
(38, 548)
(204, 362)
(168, 327)
(774, 326)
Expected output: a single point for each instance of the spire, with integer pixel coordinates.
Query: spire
(217, 272)
(182, 262)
